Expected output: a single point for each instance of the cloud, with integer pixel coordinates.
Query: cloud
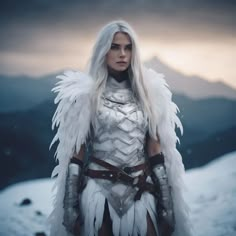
(54, 10)
(41, 34)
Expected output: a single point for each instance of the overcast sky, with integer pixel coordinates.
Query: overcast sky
(195, 37)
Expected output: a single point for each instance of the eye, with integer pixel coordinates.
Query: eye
(114, 47)
(129, 47)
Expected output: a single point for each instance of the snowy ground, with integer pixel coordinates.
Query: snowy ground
(212, 197)
(24, 207)
(18, 219)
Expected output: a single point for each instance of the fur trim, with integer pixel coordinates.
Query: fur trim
(165, 112)
(72, 117)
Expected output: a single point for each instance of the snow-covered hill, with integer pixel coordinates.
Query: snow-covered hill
(24, 207)
(212, 197)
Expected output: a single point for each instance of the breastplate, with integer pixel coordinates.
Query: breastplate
(119, 135)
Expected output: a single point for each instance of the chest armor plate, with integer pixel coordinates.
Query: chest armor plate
(119, 136)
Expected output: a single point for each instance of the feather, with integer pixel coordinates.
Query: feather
(149, 202)
(124, 223)
(72, 117)
(165, 114)
(140, 218)
(130, 217)
(115, 221)
(99, 211)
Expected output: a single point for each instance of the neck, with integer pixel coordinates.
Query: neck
(119, 76)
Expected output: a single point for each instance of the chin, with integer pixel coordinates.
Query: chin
(117, 69)
(120, 69)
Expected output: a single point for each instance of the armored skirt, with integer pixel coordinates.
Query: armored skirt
(118, 138)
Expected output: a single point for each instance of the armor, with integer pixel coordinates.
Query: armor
(165, 208)
(118, 138)
(71, 198)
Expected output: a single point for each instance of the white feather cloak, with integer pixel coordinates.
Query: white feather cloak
(73, 118)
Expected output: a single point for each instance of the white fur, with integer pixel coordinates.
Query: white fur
(165, 115)
(74, 120)
(72, 117)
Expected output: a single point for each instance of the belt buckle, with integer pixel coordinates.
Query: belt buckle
(127, 170)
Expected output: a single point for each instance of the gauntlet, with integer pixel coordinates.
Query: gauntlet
(165, 209)
(71, 198)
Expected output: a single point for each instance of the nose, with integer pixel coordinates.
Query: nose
(122, 52)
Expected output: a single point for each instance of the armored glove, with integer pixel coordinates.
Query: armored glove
(165, 209)
(71, 198)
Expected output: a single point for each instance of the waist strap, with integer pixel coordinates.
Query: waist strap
(115, 174)
(127, 169)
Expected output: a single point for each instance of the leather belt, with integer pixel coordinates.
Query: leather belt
(126, 169)
(115, 174)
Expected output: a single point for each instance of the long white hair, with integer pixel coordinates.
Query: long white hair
(97, 68)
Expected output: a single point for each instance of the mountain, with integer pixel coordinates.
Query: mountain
(209, 131)
(204, 117)
(24, 142)
(192, 86)
(210, 197)
(25, 126)
(199, 153)
(22, 92)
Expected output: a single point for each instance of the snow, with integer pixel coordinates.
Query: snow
(211, 197)
(17, 220)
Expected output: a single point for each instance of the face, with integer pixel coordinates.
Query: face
(118, 57)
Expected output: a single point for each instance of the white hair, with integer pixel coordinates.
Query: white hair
(97, 68)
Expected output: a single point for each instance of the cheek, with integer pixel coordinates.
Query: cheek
(108, 58)
(130, 56)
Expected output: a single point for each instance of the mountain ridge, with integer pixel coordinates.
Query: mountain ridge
(192, 86)
(22, 92)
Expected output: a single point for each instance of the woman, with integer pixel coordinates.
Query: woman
(132, 181)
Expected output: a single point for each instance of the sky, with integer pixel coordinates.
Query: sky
(196, 37)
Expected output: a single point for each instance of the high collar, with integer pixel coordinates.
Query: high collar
(114, 84)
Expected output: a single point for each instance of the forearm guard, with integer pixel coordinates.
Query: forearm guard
(71, 198)
(164, 197)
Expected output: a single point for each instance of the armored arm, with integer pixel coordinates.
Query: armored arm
(73, 186)
(165, 209)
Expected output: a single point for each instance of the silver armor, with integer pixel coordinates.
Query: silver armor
(118, 138)
(167, 211)
(71, 210)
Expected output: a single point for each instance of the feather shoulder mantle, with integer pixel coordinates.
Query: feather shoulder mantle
(72, 117)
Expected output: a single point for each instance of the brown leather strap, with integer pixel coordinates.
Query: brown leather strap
(156, 159)
(114, 176)
(127, 169)
(77, 161)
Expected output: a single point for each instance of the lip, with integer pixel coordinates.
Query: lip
(121, 62)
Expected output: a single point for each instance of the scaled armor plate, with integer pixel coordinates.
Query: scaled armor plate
(118, 138)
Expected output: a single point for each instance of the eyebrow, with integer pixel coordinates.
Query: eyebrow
(116, 44)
